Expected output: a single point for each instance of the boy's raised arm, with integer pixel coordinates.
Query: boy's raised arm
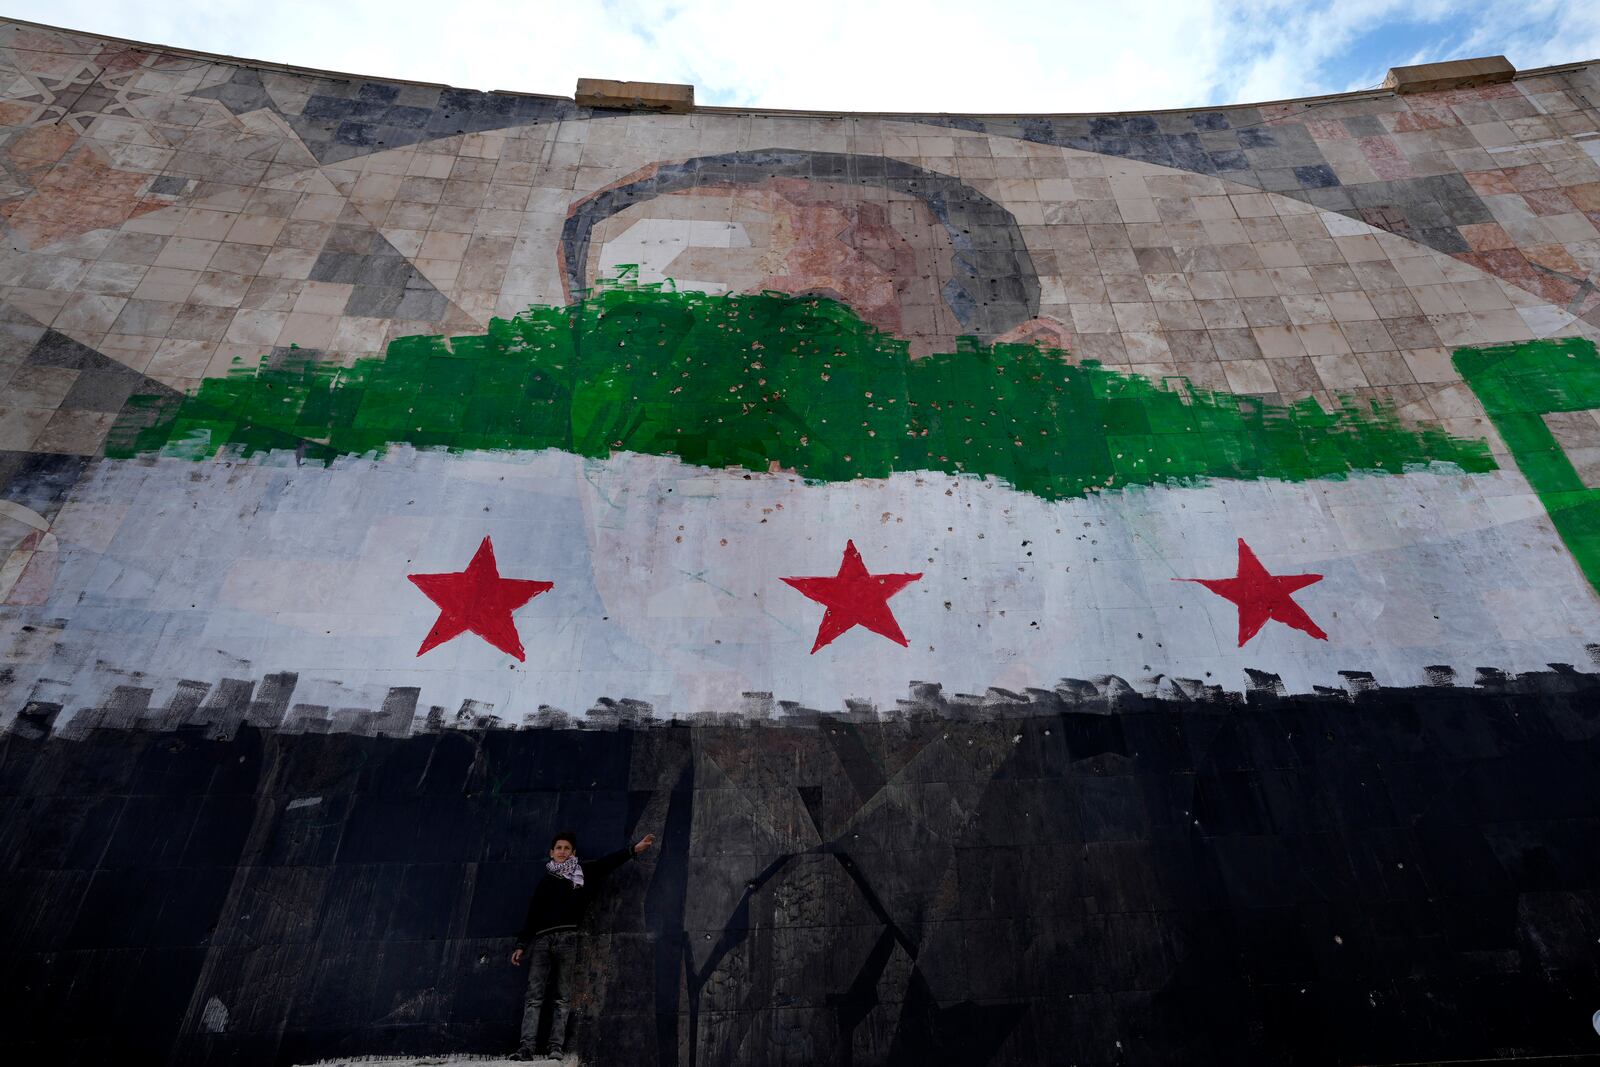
(603, 866)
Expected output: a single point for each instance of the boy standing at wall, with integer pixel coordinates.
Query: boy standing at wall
(549, 935)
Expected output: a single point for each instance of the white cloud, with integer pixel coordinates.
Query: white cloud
(1295, 49)
(1033, 56)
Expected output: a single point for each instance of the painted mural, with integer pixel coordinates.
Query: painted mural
(1083, 581)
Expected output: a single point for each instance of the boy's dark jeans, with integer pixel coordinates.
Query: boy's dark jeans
(552, 960)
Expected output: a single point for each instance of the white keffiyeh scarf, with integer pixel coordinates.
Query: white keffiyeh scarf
(570, 869)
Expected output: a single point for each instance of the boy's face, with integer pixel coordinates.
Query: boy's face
(561, 851)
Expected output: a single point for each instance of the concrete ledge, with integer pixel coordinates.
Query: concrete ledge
(635, 96)
(1453, 74)
(442, 1060)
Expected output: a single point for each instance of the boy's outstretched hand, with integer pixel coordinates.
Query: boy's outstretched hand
(644, 842)
(516, 957)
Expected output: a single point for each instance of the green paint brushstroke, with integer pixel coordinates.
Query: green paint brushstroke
(773, 380)
(1519, 385)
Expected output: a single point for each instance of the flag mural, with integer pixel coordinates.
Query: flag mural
(676, 456)
(1119, 586)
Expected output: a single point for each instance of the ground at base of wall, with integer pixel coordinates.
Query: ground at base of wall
(569, 1060)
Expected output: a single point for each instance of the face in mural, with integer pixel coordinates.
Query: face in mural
(919, 256)
(883, 254)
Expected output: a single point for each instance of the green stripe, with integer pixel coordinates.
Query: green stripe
(1519, 385)
(770, 380)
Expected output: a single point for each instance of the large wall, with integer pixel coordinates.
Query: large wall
(1082, 589)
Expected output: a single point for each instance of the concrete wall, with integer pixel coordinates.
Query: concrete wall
(1402, 876)
(1082, 589)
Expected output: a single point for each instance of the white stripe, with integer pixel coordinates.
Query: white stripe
(668, 582)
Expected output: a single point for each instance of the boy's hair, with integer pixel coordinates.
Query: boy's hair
(567, 836)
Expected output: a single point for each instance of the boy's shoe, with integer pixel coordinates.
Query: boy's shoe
(522, 1055)
(556, 1054)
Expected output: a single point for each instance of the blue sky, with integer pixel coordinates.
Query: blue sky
(865, 55)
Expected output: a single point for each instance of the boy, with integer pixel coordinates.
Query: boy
(549, 935)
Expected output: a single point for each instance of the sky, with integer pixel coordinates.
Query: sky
(988, 56)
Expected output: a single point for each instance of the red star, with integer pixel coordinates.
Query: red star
(478, 599)
(1262, 596)
(854, 597)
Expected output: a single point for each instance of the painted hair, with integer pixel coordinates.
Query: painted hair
(567, 836)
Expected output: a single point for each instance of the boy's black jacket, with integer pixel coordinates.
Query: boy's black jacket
(557, 904)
